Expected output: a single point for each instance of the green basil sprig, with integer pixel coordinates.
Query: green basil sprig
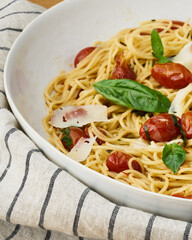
(131, 94)
(66, 138)
(147, 132)
(157, 47)
(173, 156)
(176, 123)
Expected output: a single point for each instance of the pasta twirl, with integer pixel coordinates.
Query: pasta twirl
(121, 131)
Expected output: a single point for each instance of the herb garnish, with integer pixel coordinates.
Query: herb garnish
(173, 156)
(180, 127)
(134, 95)
(147, 132)
(66, 138)
(157, 47)
(123, 43)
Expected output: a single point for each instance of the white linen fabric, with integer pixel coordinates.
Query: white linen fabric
(38, 200)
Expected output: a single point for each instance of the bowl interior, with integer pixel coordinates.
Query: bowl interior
(49, 45)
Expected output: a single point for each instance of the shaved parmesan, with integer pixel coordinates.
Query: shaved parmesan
(177, 106)
(176, 141)
(140, 144)
(78, 115)
(184, 57)
(81, 149)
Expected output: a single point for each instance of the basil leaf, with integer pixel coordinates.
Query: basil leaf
(156, 44)
(123, 43)
(176, 123)
(164, 60)
(173, 156)
(157, 47)
(66, 138)
(146, 132)
(131, 94)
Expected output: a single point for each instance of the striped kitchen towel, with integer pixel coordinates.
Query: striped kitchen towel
(39, 200)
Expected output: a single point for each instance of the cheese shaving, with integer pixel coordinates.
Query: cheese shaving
(78, 115)
(184, 57)
(177, 105)
(81, 149)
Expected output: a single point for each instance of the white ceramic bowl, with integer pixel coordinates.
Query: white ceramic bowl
(49, 45)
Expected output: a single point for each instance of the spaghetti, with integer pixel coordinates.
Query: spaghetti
(121, 131)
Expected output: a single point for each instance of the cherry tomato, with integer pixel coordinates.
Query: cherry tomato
(171, 75)
(146, 33)
(181, 196)
(82, 54)
(186, 123)
(118, 162)
(160, 128)
(175, 22)
(75, 134)
(98, 140)
(122, 70)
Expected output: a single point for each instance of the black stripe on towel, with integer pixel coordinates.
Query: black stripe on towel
(8, 215)
(1, 70)
(8, 5)
(14, 233)
(187, 231)
(11, 29)
(11, 131)
(48, 235)
(78, 210)
(149, 227)
(2, 92)
(48, 196)
(4, 48)
(112, 222)
(21, 12)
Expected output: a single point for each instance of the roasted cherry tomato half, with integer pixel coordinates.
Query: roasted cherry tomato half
(181, 196)
(98, 140)
(82, 54)
(159, 128)
(118, 162)
(175, 25)
(171, 75)
(175, 22)
(74, 134)
(186, 123)
(122, 70)
(147, 33)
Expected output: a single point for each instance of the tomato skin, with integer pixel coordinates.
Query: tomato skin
(82, 54)
(145, 33)
(175, 22)
(98, 140)
(118, 162)
(181, 196)
(186, 123)
(160, 128)
(171, 75)
(122, 70)
(75, 134)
